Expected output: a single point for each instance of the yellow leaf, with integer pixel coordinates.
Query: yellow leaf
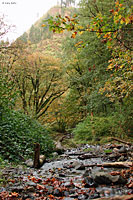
(61, 31)
(81, 32)
(120, 16)
(127, 20)
(80, 27)
(43, 25)
(115, 13)
(122, 22)
(73, 35)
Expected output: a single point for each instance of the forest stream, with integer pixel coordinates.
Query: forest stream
(87, 172)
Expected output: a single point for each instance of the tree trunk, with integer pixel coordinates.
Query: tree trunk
(36, 156)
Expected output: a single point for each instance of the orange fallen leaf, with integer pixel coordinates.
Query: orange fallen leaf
(40, 187)
(14, 194)
(114, 173)
(11, 180)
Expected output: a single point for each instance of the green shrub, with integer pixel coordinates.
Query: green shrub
(96, 127)
(18, 133)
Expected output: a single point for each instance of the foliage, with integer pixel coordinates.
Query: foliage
(8, 92)
(113, 28)
(114, 124)
(38, 79)
(108, 151)
(18, 133)
(115, 31)
(85, 59)
(7, 95)
(98, 62)
(95, 127)
(24, 37)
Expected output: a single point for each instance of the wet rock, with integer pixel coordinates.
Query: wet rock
(95, 195)
(114, 156)
(30, 183)
(62, 175)
(89, 182)
(115, 150)
(75, 195)
(87, 173)
(55, 154)
(66, 194)
(49, 189)
(2, 189)
(76, 163)
(30, 189)
(29, 163)
(80, 167)
(81, 197)
(69, 185)
(17, 189)
(58, 147)
(28, 196)
(122, 158)
(42, 159)
(106, 178)
(57, 193)
(123, 149)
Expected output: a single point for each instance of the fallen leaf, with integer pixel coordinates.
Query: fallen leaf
(114, 173)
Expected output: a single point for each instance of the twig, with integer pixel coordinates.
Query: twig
(119, 140)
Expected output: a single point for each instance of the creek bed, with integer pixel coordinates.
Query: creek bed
(69, 177)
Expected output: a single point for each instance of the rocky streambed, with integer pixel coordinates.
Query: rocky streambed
(87, 172)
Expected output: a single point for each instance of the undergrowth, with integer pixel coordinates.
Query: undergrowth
(18, 133)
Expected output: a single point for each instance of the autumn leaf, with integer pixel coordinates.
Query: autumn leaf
(111, 11)
(43, 25)
(74, 35)
(114, 173)
(13, 194)
(11, 180)
(79, 43)
(68, 18)
(63, 21)
(120, 5)
(40, 187)
(74, 15)
(130, 184)
(72, 19)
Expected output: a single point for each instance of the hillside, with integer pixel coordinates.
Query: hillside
(41, 39)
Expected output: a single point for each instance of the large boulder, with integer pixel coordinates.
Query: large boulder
(29, 163)
(42, 159)
(106, 178)
(59, 148)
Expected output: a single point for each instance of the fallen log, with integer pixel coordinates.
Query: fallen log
(119, 140)
(123, 197)
(76, 154)
(87, 156)
(118, 164)
(113, 164)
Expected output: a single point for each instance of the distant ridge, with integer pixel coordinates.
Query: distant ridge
(41, 39)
